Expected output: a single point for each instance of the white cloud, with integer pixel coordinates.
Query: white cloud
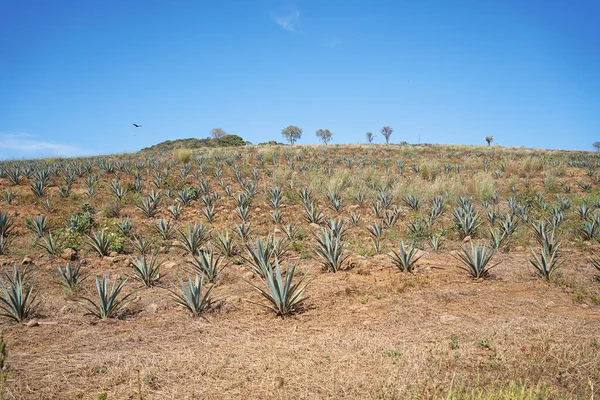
(288, 20)
(14, 145)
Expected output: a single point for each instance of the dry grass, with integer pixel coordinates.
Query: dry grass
(368, 332)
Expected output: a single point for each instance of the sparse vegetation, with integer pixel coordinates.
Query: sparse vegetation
(183, 214)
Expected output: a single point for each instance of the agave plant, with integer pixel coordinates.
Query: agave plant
(244, 231)
(148, 207)
(595, 260)
(209, 212)
(190, 296)
(163, 228)
(259, 256)
(192, 238)
(330, 249)
(6, 223)
(105, 303)
(476, 261)
(49, 243)
(3, 245)
(225, 243)
(313, 214)
(39, 188)
(17, 298)
(547, 261)
(141, 245)
(406, 257)
(37, 225)
(466, 221)
(205, 263)
(100, 243)
(376, 231)
(437, 240)
(412, 201)
(71, 277)
(146, 269)
(283, 296)
(175, 211)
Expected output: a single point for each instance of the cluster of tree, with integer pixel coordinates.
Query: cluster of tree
(386, 132)
(226, 140)
(293, 133)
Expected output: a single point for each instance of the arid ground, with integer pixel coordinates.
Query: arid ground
(367, 331)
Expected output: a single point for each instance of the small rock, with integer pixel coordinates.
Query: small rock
(315, 226)
(113, 254)
(169, 265)
(68, 254)
(448, 319)
(26, 260)
(32, 323)
(519, 248)
(248, 275)
(276, 230)
(153, 308)
(257, 209)
(467, 239)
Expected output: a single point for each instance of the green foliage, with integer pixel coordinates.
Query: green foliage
(190, 296)
(106, 302)
(324, 135)
(146, 269)
(282, 296)
(330, 249)
(405, 258)
(99, 242)
(292, 133)
(71, 277)
(205, 263)
(476, 261)
(17, 298)
(193, 143)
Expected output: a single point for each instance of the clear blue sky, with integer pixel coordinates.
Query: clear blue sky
(75, 75)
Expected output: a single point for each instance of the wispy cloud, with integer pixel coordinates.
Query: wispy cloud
(14, 145)
(288, 20)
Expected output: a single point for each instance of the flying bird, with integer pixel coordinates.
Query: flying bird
(137, 126)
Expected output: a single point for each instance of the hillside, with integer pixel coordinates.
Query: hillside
(194, 143)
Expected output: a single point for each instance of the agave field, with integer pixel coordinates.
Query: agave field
(302, 272)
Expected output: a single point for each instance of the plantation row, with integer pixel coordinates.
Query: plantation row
(218, 207)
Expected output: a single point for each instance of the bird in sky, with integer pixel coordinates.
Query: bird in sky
(137, 126)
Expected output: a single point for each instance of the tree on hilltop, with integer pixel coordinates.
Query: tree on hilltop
(292, 133)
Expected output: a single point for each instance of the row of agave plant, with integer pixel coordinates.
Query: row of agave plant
(163, 174)
(467, 219)
(171, 179)
(283, 292)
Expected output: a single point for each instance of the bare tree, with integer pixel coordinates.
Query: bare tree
(324, 134)
(292, 133)
(370, 137)
(386, 131)
(217, 133)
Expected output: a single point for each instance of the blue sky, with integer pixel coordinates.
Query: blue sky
(76, 74)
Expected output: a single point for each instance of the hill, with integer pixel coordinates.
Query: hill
(194, 143)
